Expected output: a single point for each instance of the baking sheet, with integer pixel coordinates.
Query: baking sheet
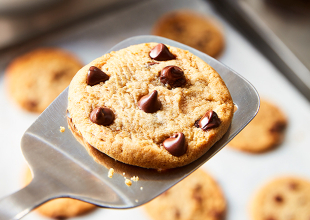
(239, 174)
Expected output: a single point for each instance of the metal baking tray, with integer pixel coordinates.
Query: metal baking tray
(239, 174)
(280, 30)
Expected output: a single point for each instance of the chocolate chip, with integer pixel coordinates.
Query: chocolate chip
(102, 116)
(58, 75)
(95, 76)
(278, 127)
(293, 186)
(278, 198)
(31, 104)
(173, 76)
(178, 27)
(200, 43)
(217, 214)
(270, 218)
(161, 53)
(175, 144)
(149, 103)
(209, 120)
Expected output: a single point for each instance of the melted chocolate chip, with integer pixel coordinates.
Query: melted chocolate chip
(102, 116)
(209, 120)
(175, 145)
(173, 76)
(278, 198)
(95, 76)
(161, 53)
(149, 103)
(278, 127)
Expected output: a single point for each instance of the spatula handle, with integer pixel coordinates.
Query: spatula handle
(20, 203)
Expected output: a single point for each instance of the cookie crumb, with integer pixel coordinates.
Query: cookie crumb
(128, 182)
(135, 178)
(62, 129)
(136, 200)
(141, 188)
(111, 173)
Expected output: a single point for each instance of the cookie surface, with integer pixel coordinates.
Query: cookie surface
(61, 208)
(264, 132)
(35, 79)
(282, 198)
(192, 29)
(197, 197)
(138, 137)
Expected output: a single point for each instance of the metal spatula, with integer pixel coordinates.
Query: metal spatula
(62, 167)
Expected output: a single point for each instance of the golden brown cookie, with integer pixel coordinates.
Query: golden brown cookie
(197, 197)
(36, 78)
(161, 112)
(63, 207)
(281, 199)
(192, 29)
(264, 132)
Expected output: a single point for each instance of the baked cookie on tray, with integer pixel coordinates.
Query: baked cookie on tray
(282, 198)
(36, 78)
(61, 208)
(191, 28)
(264, 132)
(150, 105)
(197, 197)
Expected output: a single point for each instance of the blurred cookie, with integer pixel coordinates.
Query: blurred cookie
(35, 79)
(282, 199)
(192, 29)
(264, 132)
(63, 207)
(196, 197)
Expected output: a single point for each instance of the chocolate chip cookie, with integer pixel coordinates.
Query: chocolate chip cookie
(264, 132)
(192, 29)
(61, 208)
(150, 105)
(282, 198)
(35, 79)
(197, 197)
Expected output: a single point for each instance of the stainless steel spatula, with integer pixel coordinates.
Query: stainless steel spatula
(62, 167)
